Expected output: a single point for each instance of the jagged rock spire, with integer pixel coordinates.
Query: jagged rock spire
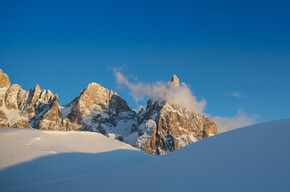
(36, 87)
(4, 80)
(175, 80)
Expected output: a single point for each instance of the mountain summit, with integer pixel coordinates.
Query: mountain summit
(175, 80)
(159, 129)
(164, 127)
(4, 80)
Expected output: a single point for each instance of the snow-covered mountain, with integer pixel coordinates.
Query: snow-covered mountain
(252, 159)
(100, 110)
(159, 129)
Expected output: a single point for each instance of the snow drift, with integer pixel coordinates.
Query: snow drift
(254, 158)
(31, 157)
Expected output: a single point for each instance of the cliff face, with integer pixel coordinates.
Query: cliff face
(164, 128)
(20, 108)
(159, 129)
(4, 80)
(98, 109)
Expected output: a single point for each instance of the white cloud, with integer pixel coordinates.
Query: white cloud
(237, 94)
(178, 95)
(182, 96)
(241, 119)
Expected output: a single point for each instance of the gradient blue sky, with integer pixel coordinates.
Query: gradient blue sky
(217, 47)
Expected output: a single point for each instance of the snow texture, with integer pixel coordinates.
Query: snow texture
(252, 159)
(12, 115)
(30, 156)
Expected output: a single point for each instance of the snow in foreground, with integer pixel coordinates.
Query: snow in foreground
(255, 158)
(31, 157)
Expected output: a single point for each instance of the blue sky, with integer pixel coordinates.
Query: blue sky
(235, 55)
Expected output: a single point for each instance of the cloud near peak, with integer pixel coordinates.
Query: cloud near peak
(178, 95)
(183, 97)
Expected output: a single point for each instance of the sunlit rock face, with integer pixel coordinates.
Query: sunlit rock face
(164, 127)
(4, 80)
(175, 80)
(101, 110)
(27, 109)
(160, 128)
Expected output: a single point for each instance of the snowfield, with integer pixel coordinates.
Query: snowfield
(254, 158)
(31, 157)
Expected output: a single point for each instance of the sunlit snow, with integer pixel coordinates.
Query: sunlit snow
(251, 159)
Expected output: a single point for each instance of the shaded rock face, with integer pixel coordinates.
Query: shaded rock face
(52, 120)
(159, 129)
(164, 128)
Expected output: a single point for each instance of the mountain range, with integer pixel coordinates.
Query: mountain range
(160, 128)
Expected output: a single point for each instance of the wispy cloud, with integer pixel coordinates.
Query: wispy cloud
(184, 97)
(237, 94)
(241, 119)
(178, 95)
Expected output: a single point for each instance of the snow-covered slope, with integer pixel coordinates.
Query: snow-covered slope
(255, 158)
(30, 156)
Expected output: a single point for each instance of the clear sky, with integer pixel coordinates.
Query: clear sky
(235, 55)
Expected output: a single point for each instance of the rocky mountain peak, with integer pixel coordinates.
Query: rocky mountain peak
(159, 129)
(175, 80)
(4, 80)
(97, 109)
(94, 95)
(52, 120)
(92, 86)
(27, 108)
(36, 87)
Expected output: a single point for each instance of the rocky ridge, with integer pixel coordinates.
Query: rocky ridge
(159, 129)
(164, 127)
(100, 110)
(28, 109)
